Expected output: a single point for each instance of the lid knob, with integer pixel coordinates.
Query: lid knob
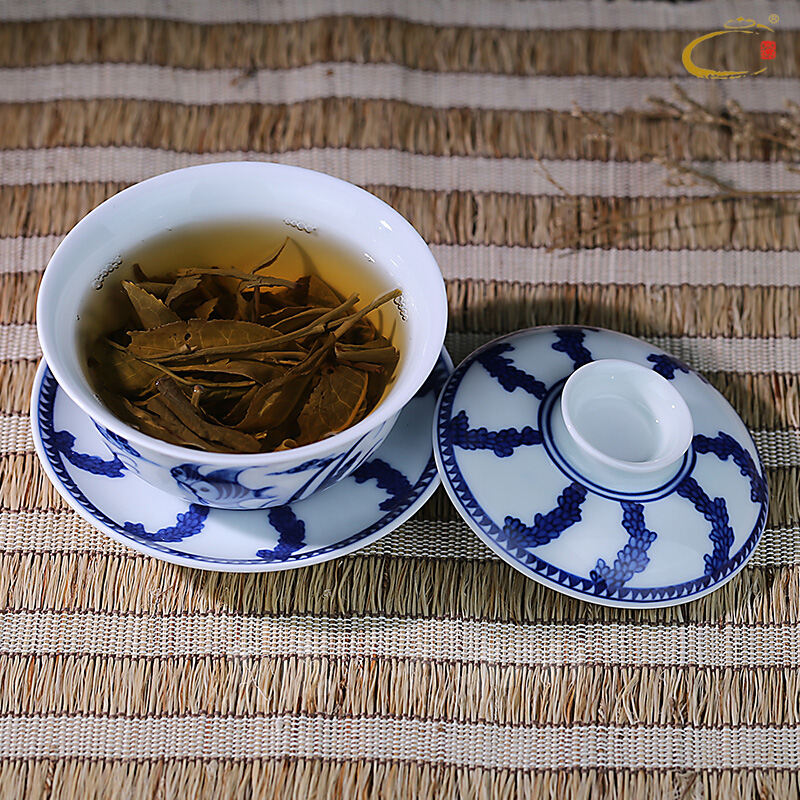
(626, 416)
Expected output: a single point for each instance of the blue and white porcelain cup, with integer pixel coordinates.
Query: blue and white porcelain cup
(98, 253)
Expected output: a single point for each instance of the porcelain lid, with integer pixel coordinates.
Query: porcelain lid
(583, 525)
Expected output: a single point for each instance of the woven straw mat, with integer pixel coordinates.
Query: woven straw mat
(565, 168)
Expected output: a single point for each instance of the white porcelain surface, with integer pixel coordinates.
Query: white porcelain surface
(375, 499)
(628, 539)
(626, 415)
(93, 258)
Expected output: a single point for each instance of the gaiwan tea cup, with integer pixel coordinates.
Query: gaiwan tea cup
(233, 214)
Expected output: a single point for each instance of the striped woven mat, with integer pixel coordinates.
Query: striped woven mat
(565, 168)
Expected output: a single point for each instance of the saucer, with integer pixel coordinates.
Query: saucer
(627, 541)
(377, 498)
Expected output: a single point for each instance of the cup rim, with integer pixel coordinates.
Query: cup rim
(82, 394)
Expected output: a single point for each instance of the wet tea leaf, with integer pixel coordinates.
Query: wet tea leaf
(333, 405)
(224, 370)
(243, 309)
(204, 311)
(248, 279)
(273, 258)
(270, 408)
(366, 353)
(182, 433)
(159, 290)
(295, 322)
(144, 420)
(150, 310)
(181, 288)
(120, 371)
(317, 292)
(199, 336)
(282, 363)
(191, 416)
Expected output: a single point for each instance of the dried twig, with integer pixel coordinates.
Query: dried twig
(689, 111)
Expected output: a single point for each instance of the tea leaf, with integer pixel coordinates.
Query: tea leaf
(142, 419)
(271, 318)
(204, 311)
(361, 313)
(364, 354)
(330, 317)
(272, 259)
(122, 372)
(271, 406)
(255, 370)
(243, 309)
(295, 322)
(317, 292)
(141, 278)
(235, 413)
(155, 286)
(317, 328)
(177, 402)
(283, 363)
(333, 404)
(255, 305)
(158, 290)
(162, 415)
(182, 287)
(123, 356)
(212, 337)
(150, 310)
(247, 278)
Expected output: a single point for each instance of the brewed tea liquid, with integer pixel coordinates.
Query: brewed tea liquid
(244, 246)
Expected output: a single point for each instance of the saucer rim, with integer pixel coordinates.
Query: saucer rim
(422, 490)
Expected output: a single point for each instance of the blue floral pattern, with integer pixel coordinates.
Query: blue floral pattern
(63, 441)
(291, 529)
(387, 478)
(518, 540)
(716, 512)
(187, 524)
(547, 527)
(570, 341)
(502, 443)
(724, 446)
(507, 375)
(632, 558)
(666, 366)
(121, 443)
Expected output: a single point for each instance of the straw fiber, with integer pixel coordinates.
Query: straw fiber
(542, 152)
